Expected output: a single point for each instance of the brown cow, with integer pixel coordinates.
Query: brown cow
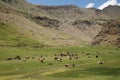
(42, 60)
(66, 65)
(17, 58)
(73, 65)
(9, 58)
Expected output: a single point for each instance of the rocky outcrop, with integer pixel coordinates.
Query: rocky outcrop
(109, 35)
(46, 22)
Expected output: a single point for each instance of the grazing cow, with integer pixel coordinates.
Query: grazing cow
(61, 54)
(17, 58)
(97, 56)
(72, 54)
(76, 57)
(119, 46)
(9, 58)
(89, 57)
(83, 52)
(100, 62)
(55, 55)
(41, 56)
(88, 54)
(68, 53)
(50, 64)
(59, 59)
(24, 60)
(55, 58)
(42, 60)
(73, 65)
(70, 58)
(66, 65)
(27, 57)
(33, 57)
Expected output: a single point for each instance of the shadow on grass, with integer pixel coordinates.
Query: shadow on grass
(97, 71)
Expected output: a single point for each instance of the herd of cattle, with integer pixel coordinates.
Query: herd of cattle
(56, 57)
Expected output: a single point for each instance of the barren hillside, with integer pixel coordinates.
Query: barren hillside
(49, 25)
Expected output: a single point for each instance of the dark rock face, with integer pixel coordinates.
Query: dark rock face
(78, 22)
(11, 1)
(66, 7)
(109, 35)
(7, 0)
(46, 22)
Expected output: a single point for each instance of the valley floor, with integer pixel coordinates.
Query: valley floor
(92, 63)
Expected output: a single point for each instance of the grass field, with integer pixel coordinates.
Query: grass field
(86, 66)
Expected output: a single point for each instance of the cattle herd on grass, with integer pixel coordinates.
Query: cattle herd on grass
(59, 57)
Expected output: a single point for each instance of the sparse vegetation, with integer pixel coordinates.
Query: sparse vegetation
(10, 37)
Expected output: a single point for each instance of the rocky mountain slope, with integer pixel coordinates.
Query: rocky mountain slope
(112, 11)
(109, 35)
(50, 25)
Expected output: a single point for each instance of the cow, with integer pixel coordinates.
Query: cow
(9, 58)
(73, 65)
(17, 58)
(101, 62)
(97, 56)
(66, 65)
(42, 60)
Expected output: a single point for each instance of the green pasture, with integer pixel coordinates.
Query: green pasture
(86, 66)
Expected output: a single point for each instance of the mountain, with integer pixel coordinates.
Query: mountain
(110, 32)
(112, 11)
(26, 24)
